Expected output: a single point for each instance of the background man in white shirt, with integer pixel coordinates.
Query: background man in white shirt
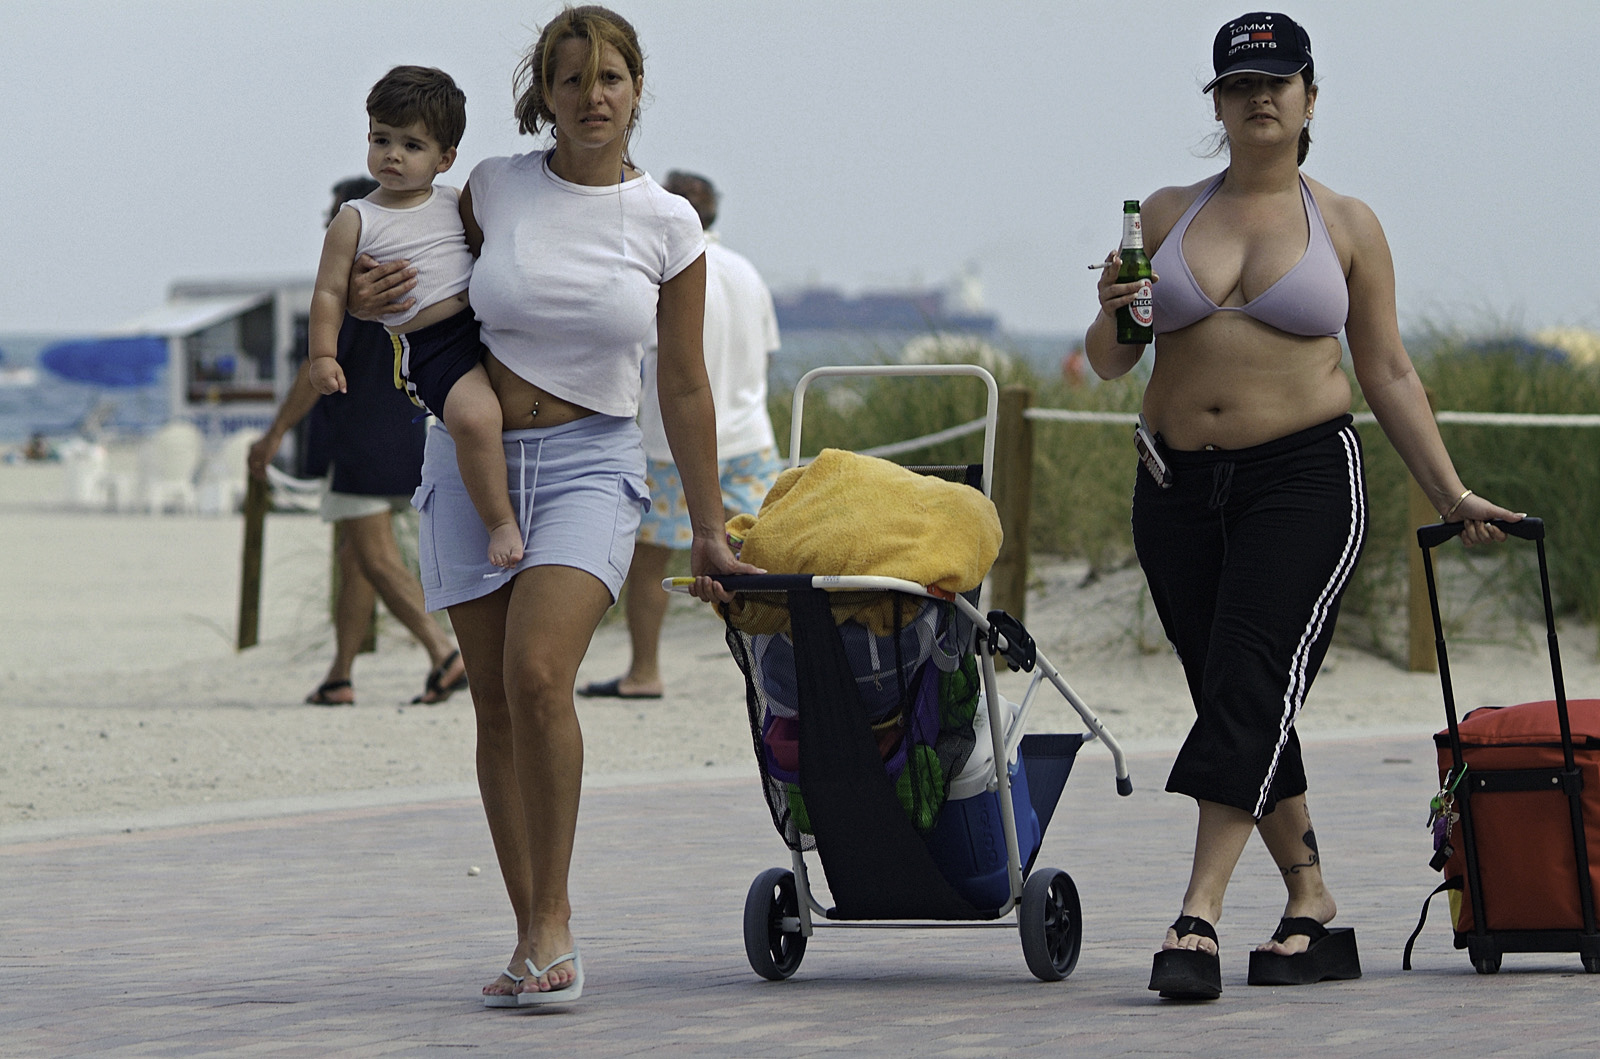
(741, 331)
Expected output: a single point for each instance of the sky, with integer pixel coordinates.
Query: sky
(864, 146)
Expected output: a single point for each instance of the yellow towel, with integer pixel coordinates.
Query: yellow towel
(846, 513)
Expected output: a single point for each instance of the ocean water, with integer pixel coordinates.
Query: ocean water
(55, 407)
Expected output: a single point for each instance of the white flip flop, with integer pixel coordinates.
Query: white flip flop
(504, 1000)
(566, 993)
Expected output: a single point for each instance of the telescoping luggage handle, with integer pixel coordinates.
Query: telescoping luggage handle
(1428, 538)
(1532, 529)
(1436, 533)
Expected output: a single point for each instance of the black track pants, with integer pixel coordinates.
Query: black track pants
(1247, 556)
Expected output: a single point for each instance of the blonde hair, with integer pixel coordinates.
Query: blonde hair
(535, 76)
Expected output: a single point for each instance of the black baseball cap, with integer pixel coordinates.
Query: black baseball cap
(1262, 42)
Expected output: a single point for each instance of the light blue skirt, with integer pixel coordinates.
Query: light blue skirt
(578, 490)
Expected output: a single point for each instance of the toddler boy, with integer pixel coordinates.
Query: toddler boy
(416, 117)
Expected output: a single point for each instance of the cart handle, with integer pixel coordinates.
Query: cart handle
(828, 582)
(1436, 533)
(991, 409)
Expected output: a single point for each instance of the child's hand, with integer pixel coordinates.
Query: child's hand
(327, 376)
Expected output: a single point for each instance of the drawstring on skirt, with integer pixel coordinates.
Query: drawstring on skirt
(525, 494)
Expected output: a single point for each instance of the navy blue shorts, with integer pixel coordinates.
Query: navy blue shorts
(432, 359)
(1247, 556)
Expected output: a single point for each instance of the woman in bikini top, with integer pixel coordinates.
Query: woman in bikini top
(1262, 269)
(1258, 271)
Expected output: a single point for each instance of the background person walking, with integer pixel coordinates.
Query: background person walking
(741, 333)
(374, 446)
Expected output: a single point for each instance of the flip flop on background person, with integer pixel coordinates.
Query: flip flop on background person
(441, 685)
(332, 693)
(444, 680)
(612, 689)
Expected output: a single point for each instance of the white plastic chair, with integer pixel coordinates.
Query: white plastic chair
(168, 460)
(85, 480)
(223, 475)
(295, 494)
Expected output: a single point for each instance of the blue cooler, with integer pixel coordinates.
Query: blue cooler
(968, 841)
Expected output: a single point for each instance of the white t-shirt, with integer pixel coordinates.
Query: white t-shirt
(741, 329)
(567, 282)
(429, 235)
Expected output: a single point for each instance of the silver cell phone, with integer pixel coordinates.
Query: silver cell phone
(1150, 455)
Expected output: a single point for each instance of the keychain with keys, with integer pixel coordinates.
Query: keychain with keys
(1442, 818)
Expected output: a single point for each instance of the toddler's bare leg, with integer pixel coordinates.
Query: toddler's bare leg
(472, 414)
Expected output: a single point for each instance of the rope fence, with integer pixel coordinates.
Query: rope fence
(1483, 419)
(926, 441)
(1014, 492)
(1013, 489)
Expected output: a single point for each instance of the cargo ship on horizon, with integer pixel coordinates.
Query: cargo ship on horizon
(958, 307)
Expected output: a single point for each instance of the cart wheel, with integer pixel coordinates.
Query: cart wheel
(1050, 920)
(1489, 963)
(774, 953)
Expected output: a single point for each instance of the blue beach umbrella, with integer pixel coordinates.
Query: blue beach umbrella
(118, 363)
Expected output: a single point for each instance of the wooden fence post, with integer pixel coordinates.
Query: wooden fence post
(257, 498)
(1013, 496)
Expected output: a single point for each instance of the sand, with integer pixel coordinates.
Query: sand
(125, 705)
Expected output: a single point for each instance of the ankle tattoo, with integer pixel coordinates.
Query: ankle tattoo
(1310, 839)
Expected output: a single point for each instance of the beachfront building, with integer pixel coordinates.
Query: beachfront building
(233, 347)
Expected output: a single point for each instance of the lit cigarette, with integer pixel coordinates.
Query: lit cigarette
(1103, 264)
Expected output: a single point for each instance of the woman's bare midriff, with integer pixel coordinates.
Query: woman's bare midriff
(1230, 382)
(521, 399)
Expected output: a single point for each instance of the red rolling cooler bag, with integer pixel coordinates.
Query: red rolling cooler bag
(1518, 805)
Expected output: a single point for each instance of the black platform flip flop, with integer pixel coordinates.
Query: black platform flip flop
(1188, 974)
(1331, 956)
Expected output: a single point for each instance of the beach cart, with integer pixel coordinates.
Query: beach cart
(1517, 817)
(888, 752)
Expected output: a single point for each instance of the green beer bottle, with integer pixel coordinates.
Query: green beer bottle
(1134, 319)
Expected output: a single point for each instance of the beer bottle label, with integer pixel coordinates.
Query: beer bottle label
(1142, 306)
(1132, 232)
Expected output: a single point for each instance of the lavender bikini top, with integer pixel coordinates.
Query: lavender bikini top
(1310, 299)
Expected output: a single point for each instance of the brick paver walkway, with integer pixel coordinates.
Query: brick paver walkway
(360, 932)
